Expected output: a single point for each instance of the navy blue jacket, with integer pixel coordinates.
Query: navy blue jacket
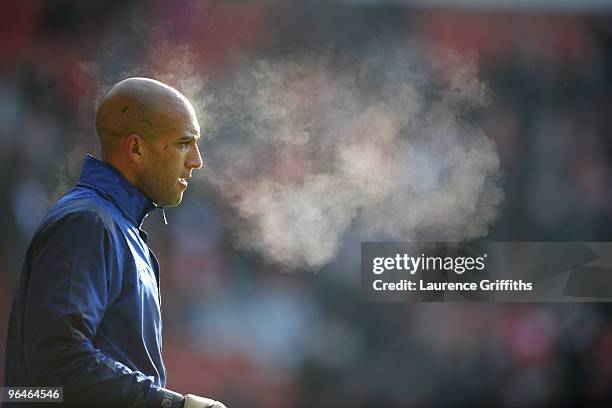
(86, 312)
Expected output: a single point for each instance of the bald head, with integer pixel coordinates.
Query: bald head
(149, 132)
(141, 106)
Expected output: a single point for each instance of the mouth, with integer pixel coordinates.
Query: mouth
(183, 182)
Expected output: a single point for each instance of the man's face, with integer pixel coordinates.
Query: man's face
(169, 163)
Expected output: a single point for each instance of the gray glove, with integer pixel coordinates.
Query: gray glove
(193, 401)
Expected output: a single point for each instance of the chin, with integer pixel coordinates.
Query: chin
(173, 202)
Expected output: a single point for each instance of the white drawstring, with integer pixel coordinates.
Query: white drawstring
(164, 215)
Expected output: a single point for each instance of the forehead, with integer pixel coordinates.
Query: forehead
(189, 119)
(190, 125)
(187, 126)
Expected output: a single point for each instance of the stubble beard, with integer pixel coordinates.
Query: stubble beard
(163, 191)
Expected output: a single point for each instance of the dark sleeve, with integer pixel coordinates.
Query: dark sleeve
(68, 291)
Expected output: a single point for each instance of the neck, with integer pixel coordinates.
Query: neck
(122, 167)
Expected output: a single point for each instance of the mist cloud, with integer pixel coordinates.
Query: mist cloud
(380, 143)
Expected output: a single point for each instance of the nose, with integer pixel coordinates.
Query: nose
(195, 159)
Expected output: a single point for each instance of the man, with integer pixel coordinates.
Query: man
(86, 313)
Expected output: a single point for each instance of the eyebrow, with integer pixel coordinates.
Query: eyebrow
(188, 138)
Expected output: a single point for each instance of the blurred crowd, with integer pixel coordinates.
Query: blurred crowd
(236, 328)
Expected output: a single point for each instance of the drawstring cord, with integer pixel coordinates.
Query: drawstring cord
(164, 215)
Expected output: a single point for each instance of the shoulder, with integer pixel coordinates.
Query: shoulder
(80, 208)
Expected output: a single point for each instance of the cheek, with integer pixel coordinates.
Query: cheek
(168, 163)
(170, 166)
(158, 169)
(178, 160)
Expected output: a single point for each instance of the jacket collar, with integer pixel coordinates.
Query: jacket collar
(108, 181)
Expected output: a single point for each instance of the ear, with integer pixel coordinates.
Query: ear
(133, 147)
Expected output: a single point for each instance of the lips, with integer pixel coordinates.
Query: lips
(183, 181)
